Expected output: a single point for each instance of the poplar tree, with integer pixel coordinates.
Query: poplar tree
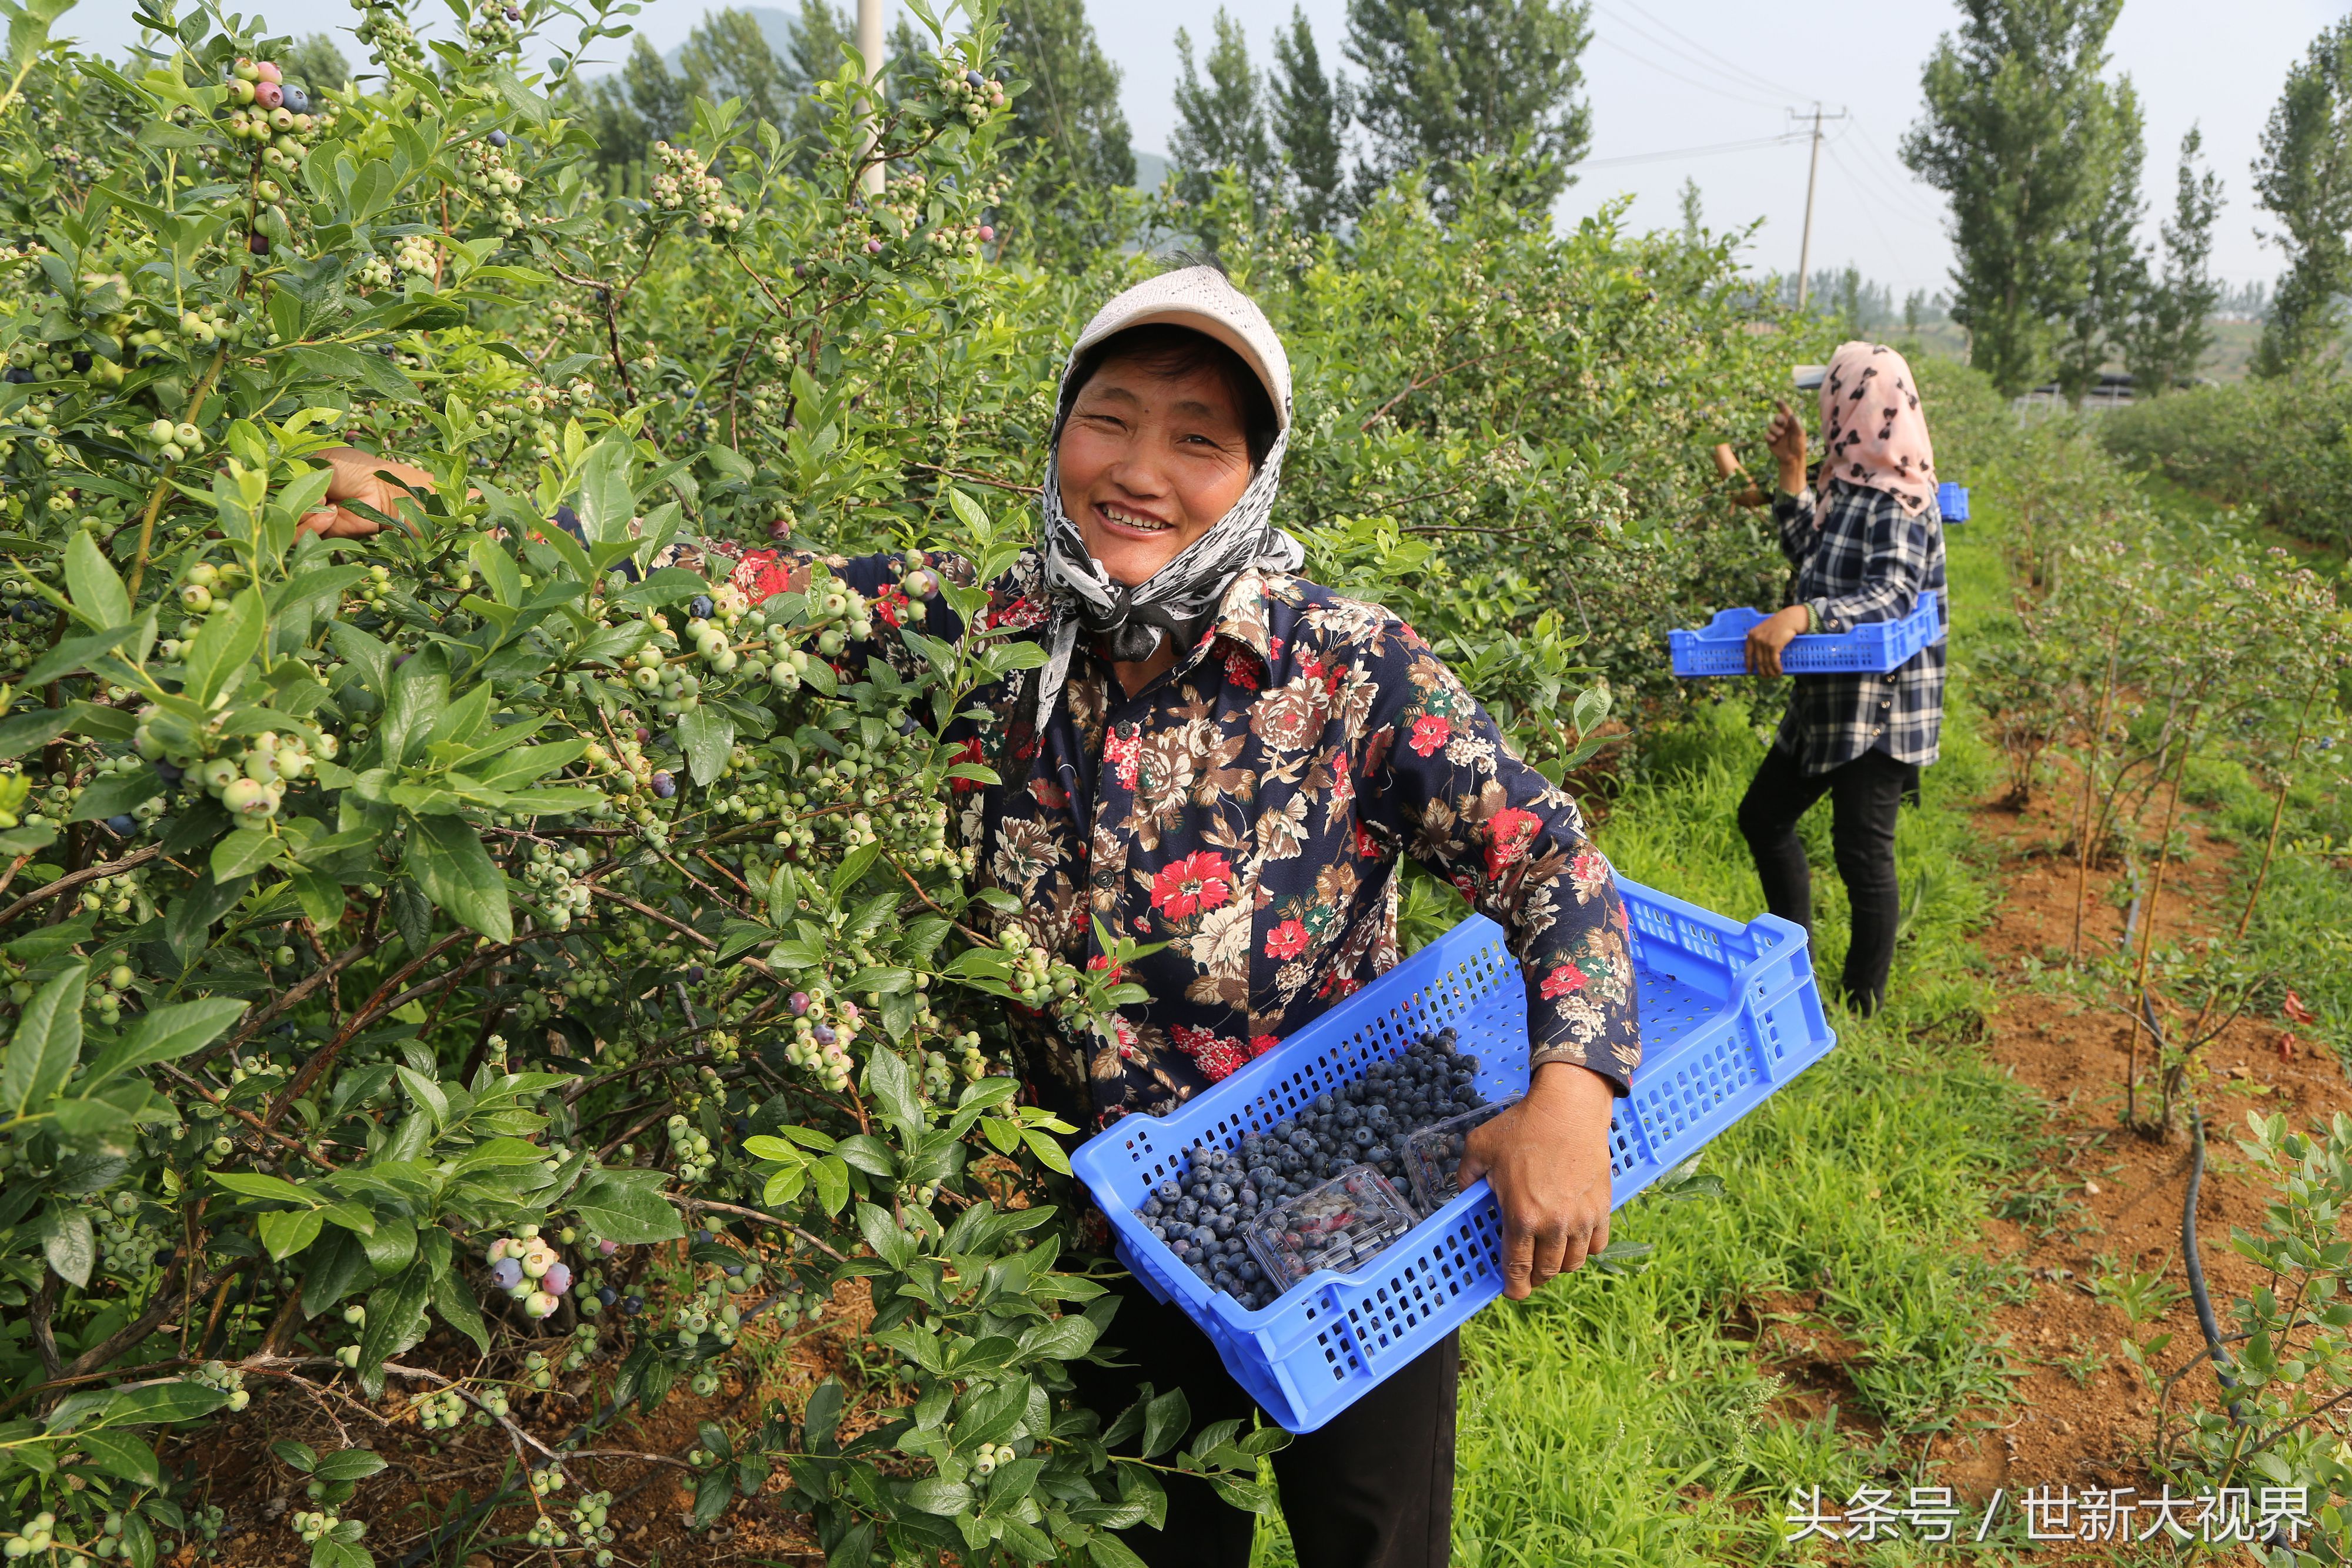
(1448, 81)
(2015, 98)
(1070, 111)
(2115, 270)
(2304, 180)
(2173, 332)
(1308, 113)
(727, 56)
(1221, 123)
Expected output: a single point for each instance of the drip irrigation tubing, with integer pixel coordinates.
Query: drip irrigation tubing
(2191, 1259)
(2196, 1267)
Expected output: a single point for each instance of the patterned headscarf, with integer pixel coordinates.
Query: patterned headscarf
(1873, 431)
(1179, 599)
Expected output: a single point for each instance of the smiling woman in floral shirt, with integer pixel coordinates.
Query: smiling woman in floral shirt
(1223, 757)
(1226, 759)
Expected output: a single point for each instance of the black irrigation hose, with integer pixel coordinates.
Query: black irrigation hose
(2197, 1291)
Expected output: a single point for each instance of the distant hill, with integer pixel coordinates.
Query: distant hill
(1151, 172)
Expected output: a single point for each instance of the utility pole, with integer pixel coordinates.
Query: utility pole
(869, 44)
(1812, 178)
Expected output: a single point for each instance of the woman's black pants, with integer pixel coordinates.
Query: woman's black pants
(1863, 797)
(1372, 1488)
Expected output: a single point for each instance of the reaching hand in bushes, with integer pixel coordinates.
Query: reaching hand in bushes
(1785, 435)
(381, 483)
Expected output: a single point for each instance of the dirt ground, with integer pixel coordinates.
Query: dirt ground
(2109, 1200)
(652, 1501)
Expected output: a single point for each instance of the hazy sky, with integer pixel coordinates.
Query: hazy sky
(1667, 76)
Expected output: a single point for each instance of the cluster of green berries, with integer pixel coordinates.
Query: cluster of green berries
(313, 1525)
(1038, 979)
(590, 1516)
(552, 875)
(126, 1248)
(37, 1534)
(110, 1541)
(419, 254)
(686, 186)
(488, 175)
(692, 1151)
(443, 1410)
(116, 983)
(992, 1457)
(387, 35)
(227, 1379)
(496, 27)
(941, 1070)
(693, 1322)
(967, 92)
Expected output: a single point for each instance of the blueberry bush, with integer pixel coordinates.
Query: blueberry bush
(474, 983)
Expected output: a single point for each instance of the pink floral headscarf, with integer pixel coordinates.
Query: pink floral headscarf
(1873, 431)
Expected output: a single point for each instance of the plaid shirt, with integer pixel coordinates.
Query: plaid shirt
(1863, 558)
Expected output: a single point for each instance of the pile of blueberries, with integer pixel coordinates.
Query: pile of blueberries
(1205, 1215)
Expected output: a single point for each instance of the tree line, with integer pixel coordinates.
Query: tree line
(2036, 144)
(2040, 153)
(1438, 85)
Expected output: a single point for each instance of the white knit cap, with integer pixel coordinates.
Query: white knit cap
(1181, 596)
(1205, 299)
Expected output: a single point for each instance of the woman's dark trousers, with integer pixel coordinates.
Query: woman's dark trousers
(1863, 797)
(1372, 1488)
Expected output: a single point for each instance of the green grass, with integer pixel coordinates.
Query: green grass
(1627, 1419)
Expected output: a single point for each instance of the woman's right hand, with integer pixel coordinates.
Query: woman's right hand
(1786, 437)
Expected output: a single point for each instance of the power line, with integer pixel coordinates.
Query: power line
(1687, 81)
(1869, 210)
(1892, 194)
(1781, 140)
(1723, 67)
(1904, 185)
(1682, 56)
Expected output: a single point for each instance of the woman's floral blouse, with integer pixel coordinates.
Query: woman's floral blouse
(1247, 809)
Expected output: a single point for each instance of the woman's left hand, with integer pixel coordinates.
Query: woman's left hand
(1546, 1158)
(362, 476)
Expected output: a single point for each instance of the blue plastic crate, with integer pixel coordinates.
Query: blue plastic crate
(1719, 648)
(1952, 502)
(1728, 1014)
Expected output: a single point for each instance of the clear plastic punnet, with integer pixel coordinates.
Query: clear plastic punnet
(1433, 1156)
(1341, 1225)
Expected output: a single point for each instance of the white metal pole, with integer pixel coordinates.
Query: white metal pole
(869, 44)
(1805, 249)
